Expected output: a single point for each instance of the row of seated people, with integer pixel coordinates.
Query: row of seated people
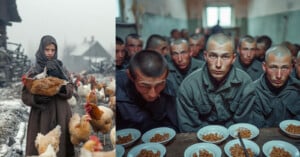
(185, 93)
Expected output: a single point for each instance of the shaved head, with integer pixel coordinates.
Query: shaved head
(278, 51)
(220, 39)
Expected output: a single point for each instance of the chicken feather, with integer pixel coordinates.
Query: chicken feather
(52, 137)
(79, 128)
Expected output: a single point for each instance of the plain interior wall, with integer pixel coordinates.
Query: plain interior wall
(276, 18)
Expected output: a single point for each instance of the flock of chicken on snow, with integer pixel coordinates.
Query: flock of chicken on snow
(84, 127)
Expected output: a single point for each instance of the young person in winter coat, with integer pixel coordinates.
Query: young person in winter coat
(211, 94)
(275, 95)
(48, 112)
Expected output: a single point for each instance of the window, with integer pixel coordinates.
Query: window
(221, 13)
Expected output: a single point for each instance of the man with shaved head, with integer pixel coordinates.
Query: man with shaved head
(145, 99)
(211, 94)
(246, 57)
(275, 96)
(182, 64)
(196, 44)
(159, 44)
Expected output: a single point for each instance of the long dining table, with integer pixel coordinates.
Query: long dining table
(177, 146)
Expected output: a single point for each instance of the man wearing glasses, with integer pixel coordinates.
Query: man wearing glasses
(211, 94)
(182, 63)
(145, 99)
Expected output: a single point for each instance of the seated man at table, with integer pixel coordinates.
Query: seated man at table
(182, 64)
(246, 58)
(211, 94)
(275, 96)
(144, 98)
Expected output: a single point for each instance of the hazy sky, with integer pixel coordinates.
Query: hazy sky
(69, 21)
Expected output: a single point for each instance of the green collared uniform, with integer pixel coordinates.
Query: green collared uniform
(199, 103)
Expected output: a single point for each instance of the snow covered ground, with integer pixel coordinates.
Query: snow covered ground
(13, 118)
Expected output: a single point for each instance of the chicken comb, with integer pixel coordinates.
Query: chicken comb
(94, 138)
(23, 78)
(98, 146)
(93, 110)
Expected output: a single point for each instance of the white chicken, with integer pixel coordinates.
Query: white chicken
(72, 101)
(41, 75)
(51, 138)
(83, 90)
(50, 152)
(93, 148)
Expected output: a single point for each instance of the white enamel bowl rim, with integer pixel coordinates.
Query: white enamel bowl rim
(233, 130)
(213, 129)
(148, 146)
(210, 147)
(248, 144)
(134, 132)
(161, 130)
(268, 146)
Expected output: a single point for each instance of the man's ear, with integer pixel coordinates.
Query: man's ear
(129, 75)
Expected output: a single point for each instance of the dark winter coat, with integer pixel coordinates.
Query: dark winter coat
(270, 109)
(134, 112)
(200, 104)
(45, 117)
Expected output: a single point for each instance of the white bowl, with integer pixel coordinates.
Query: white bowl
(220, 130)
(195, 148)
(120, 150)
(162, 130)
(248, 144)
(233, 130)
(284, 124)
(148, 146)
(268, 146)
(136, 134)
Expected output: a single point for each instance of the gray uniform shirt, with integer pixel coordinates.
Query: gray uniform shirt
(175, 77)
(199, 103)
(254, 70)
(270, 109)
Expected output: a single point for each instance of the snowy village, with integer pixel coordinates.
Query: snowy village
(88, 88)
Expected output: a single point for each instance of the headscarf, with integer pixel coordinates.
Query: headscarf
(41, 59)
(40, 56)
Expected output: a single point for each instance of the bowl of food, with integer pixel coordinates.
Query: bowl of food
(203, 149)
(234, 148)
(213, 134)
(246, 130)
(161, 135)
(127, 137)
(148, 149)
(291, 128)
(120, 151)
(278, 148)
